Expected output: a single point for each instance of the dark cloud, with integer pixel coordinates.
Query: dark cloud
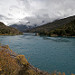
(4, 18)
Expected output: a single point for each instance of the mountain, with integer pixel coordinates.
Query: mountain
(6, 30)
(65, 30)
(65, 26)
(22, 27)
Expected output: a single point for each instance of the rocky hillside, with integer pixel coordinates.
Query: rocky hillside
(47, 29)
(6, 30)
(14, 64)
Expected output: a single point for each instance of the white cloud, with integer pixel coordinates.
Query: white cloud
(35, 11)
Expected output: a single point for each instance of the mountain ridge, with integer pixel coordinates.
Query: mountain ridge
(6, 30)
(22, 27)
(47, 28)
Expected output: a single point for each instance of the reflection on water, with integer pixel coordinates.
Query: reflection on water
(46, 53)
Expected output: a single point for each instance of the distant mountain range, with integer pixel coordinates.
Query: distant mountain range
(62, 27)
(22, 28)
(6, 30)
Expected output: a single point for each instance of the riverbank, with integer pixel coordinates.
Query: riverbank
(14, 64)
(11, 34)
(53, 35)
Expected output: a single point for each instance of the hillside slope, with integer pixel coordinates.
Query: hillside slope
(65, 30)
(47, 28)
(6, 30)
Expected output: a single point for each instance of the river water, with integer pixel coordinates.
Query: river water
(46, 53)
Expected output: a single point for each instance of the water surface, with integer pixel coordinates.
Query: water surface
(46, 53)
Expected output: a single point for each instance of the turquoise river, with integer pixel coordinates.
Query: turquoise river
(46, 53)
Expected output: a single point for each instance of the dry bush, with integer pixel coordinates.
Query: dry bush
(8, 64)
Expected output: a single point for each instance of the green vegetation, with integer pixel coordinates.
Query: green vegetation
(6, 30)
(63, 27)
(66, 30)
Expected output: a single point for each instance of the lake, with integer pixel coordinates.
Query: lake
(46, 53)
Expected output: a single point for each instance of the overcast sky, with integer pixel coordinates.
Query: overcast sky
(35, 11)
